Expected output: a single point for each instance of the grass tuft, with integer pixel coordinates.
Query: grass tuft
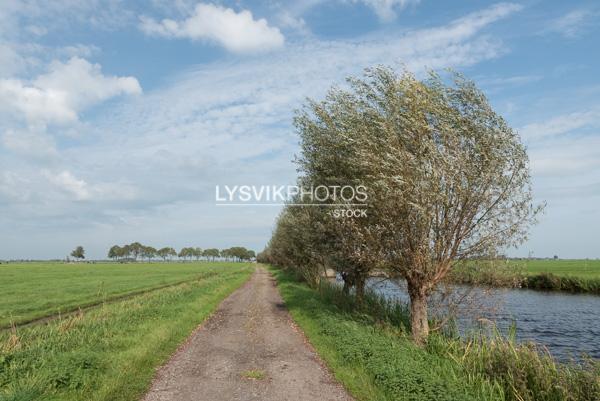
(255, 374)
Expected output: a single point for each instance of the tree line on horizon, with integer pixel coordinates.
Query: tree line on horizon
(137, 251)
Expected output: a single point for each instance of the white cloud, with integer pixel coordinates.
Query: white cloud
(30, 143)
(10, 60)
(467, 26)
(36, 30)
(78, 50)
(573, 23)
(79, 190)
(237, 32)
(66, 89)
(516, 80)
(84, 83)
(288, 20)
(13, 187)
(35, 104)
(386, 10)
(560, 125)
(67, 182)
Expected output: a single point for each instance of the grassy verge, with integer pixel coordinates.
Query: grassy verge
(546, 275)
(29, 291)
(370, 352)
(109, 353)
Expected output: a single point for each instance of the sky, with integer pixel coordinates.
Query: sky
(119, 118)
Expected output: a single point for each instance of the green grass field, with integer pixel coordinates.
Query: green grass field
(576, 268)
(32, 290)
(575, 276)
(109, 352)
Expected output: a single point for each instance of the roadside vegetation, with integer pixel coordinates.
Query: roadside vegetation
(369, 348)
(110, 353)
(34, 290)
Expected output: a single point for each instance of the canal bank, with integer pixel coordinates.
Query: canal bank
(370, 352)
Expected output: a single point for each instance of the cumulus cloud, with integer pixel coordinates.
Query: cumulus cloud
(237, 32)
(84, 83)
(66, 89)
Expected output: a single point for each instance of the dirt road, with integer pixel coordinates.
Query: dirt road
(251, 334)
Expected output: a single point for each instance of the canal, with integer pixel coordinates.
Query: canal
(567, 324)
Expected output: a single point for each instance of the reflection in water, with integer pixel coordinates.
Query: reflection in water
(567, 324)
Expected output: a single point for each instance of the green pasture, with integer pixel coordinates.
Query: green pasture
(32, 290)
(109, 352)
(583, 268)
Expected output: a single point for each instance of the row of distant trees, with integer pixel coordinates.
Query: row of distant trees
(137, 251)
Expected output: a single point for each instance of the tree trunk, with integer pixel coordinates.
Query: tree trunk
(346, 288)
(360, 290)
(347, 283)
(418, 315)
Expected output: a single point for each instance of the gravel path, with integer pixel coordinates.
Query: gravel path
(250, 334)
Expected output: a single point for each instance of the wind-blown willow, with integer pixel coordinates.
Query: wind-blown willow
(448, 179)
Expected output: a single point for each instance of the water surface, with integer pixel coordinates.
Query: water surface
(567, 324)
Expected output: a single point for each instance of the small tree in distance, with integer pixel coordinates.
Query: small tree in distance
(211, 253)
(115, 252)
(166, 252)
(78, 253)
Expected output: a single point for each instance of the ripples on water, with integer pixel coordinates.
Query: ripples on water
(567, 324)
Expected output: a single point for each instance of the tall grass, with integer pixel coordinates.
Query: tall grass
(373, 340)
(524, 371)
(375, 307)
(551, 282)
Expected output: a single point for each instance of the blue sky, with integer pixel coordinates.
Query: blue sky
(118, 118)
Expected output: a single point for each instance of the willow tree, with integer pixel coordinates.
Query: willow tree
(328, 131)
(448, 179)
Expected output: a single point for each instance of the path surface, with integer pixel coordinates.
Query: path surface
(251, 330)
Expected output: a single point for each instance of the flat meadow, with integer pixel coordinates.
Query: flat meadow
(109, 351)
(584, 268)
(30, 291)
(567, 275)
